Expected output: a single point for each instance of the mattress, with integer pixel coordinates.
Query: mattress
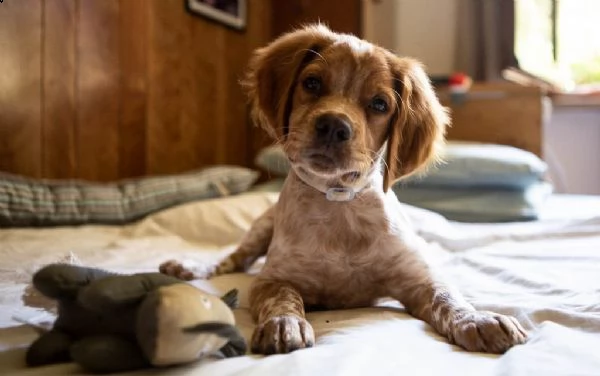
(546, 273)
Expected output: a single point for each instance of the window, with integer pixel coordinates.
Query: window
(559, 40)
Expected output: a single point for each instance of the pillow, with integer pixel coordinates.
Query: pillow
(36, 202)
(212, 223)
(467, 164)
(470, 164)
(272, 185)
(272, 159)
(480, 204)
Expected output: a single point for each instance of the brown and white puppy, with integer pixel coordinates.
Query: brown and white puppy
(352, 118)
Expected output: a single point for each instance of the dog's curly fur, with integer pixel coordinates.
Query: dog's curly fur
(383, 121)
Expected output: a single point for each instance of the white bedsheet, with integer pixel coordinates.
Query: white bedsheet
(547, 273)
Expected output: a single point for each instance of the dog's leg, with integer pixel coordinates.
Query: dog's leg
(279, 312)
(426, 297)
(254, 245)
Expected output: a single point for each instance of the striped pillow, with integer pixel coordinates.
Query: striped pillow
(37, 202)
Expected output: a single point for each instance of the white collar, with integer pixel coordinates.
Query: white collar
(336, 191)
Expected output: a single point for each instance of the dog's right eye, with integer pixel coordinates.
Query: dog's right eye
(378, 105)
(312, 85)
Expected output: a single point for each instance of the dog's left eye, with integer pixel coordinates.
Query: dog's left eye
(378, 105)
(312, 84)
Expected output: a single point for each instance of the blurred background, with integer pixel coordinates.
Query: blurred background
(110, 89)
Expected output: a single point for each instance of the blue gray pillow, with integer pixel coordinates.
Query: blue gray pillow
(466, 164)
(477, 182)
(469, 164)
(477, 204)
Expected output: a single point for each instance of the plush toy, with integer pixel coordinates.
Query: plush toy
(112, 323)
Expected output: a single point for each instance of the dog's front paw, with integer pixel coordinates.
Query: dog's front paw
(487, 332)
(176, 269)
(282, 334)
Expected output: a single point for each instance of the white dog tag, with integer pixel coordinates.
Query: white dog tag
(340, 194)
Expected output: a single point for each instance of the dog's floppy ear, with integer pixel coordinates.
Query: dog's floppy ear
(417, 129)
(273, 72)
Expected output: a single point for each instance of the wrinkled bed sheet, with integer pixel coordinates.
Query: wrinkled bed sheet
(546, 273)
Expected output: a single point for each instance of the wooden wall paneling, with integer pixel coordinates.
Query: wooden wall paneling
(102, 90)
(501, 113)
(133, 52)
(206, 69)
(59, 111)
(237, 134)
(20, 86)
(340, 15)
(98, 89)
(231, 104)
(261, 33)
(233, 138)
(179, 133)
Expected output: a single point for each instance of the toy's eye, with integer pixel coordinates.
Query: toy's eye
(378, 104)
(312, 84)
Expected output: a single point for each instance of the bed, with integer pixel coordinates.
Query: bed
(545, 272)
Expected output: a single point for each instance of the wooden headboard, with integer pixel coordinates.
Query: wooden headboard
(501, 113)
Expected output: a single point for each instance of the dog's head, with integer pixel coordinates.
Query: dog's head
(333, 101)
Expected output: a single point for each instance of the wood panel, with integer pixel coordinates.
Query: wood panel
(174, 100)
(20, 86)
(238, 134)
(340, 15)
(98, 90)
(205, 95)
(195, 101)
(500, 113)
(59, 112)
(109, 89)
(133, 53)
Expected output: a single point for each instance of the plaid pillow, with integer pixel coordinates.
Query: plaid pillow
(37, 202)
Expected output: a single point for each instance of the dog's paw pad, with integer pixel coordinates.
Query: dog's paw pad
(282, 334)
(176, 269)
(488, 332)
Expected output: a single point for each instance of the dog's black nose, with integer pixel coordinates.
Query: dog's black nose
(332, 129)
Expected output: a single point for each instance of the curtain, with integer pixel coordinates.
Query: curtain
(485, 40)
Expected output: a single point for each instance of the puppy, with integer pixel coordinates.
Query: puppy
(352, 118)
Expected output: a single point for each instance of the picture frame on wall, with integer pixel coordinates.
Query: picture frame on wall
(231, 13)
